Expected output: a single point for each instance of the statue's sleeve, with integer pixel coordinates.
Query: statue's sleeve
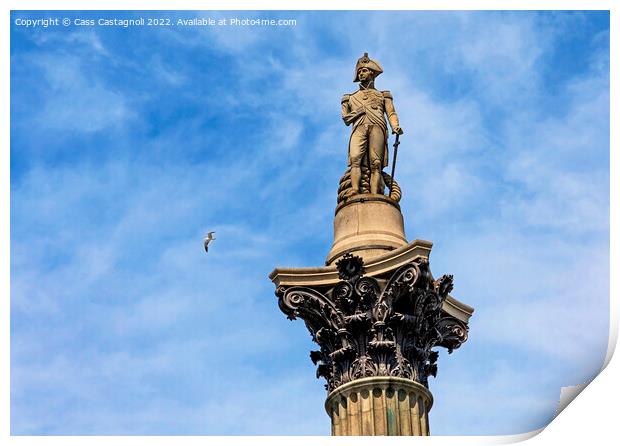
(389, 110)
(346, 110)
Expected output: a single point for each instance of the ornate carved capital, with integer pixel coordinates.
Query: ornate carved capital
(383, 326)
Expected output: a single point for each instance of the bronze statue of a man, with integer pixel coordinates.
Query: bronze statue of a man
(366, 110)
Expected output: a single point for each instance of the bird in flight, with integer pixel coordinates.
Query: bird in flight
(208, 239)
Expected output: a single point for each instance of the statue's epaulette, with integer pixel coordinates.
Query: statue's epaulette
(387, 94)
(345, 98)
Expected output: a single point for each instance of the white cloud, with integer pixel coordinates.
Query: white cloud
(496, 397)
(83, 38)
(73, 102)
(133, 301)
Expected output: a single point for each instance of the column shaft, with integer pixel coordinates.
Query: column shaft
(379, 406)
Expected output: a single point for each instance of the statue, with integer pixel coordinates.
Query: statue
(368, 153)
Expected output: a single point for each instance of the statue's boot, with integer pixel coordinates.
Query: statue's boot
(376, 182)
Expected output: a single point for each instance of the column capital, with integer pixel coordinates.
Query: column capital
(386, 325)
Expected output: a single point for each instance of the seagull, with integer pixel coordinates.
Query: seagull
(208, 239)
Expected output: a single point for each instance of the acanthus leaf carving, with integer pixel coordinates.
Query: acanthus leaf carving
(367, 326)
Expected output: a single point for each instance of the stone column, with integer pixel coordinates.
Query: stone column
(379, 406)
(377, 315)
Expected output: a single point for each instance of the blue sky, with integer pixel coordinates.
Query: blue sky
(128, 144)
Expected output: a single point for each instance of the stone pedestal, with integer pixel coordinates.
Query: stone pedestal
(368, 225)
(379, 406)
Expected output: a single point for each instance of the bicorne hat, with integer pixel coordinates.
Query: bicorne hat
(365, 61)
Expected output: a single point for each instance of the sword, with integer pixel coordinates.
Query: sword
(368, 165)
(396, 143)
